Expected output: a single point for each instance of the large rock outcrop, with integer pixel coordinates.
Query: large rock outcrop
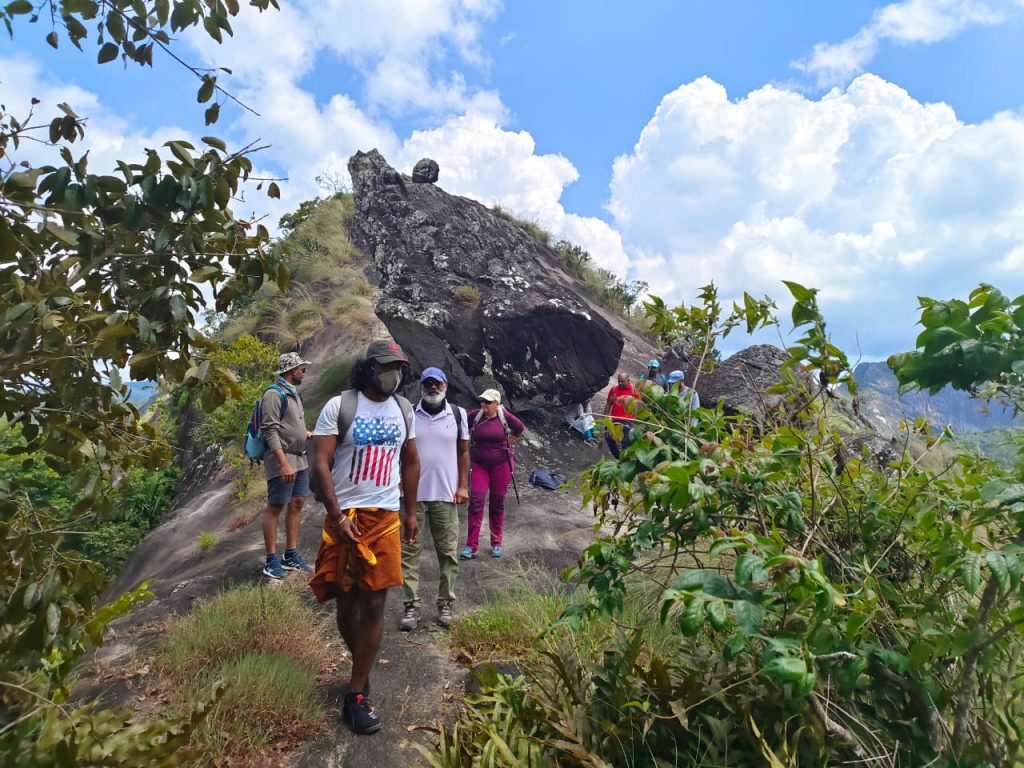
(740, 381)
(462, 287)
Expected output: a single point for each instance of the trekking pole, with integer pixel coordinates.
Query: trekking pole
(512, 472)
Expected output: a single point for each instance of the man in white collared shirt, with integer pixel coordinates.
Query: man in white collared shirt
(443, 438)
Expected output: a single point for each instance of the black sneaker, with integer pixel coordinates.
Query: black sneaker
(359, 715)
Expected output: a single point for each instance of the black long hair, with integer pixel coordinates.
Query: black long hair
(362, 374)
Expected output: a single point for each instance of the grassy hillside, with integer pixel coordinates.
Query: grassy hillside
(327, 283)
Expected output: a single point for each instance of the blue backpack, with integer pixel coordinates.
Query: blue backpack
(255, 443)
(546, 478)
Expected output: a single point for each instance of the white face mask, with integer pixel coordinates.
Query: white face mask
(389, 381)
(434, 398)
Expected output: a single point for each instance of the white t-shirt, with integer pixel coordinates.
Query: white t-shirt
(366, 463)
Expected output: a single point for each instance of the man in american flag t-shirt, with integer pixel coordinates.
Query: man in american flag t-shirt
(360, 558)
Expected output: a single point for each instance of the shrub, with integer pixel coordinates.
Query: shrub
(253, 364)
(208, 540)
(468, 295)
(840, 609)
(619, 296)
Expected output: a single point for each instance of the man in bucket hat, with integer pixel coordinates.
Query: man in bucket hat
(285, 463)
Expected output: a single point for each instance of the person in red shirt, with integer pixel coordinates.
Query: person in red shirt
(617, 409)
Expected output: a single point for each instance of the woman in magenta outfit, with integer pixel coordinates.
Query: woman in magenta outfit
(491, 469)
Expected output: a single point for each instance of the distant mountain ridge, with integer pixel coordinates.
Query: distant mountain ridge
(881, 402)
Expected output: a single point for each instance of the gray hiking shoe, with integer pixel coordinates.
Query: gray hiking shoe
(411, 618)
(445, 615)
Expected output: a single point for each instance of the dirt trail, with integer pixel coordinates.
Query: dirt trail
(411, 688)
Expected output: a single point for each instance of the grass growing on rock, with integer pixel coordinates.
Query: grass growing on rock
(263, 644)
(510, 624)
(335, 376)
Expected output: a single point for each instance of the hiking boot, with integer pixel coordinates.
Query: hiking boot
(497, 551)
(357, 712)
(294, 562)
(467, 554)
(273, 568)
(411, 618)
(445, 615)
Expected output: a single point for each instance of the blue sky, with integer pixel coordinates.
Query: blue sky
(868, 149)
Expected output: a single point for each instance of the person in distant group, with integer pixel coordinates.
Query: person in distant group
(285, 464)
(442, 437)
(688, 397)
(365, 444)
(492, 431)
(653, 374)
(617, 409)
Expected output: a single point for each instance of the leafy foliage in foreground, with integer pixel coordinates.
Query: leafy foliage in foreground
(843, 610)
(100, 272)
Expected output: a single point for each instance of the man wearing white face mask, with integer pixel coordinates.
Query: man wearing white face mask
(365, 448)
(442, 436)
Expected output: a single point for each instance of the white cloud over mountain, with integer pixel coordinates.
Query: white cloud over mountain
(865, 193)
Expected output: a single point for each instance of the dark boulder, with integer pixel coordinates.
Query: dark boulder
(425, 171)
(741, 380)
(466, 289)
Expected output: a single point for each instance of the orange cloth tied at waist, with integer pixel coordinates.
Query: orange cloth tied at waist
(372, 563)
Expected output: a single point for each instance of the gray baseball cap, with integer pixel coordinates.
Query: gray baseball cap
(385, 351)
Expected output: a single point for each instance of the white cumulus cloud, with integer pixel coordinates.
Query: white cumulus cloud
(867, 194)
(905, 22)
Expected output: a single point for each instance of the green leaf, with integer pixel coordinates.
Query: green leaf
(999, 570)
(179, 307)
(206, 90)
(800, 293)
(107, 53)
(216, 143)
(116, 331)
(274, 191)
(786, 669)
(749, 616)
(18, 7)
(209, 272)
(717, 613)
(692, 618)
(970, 572)
(749, 568)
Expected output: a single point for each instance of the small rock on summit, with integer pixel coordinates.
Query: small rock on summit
(425, 171)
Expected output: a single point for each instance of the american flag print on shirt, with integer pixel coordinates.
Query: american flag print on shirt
(376, 443)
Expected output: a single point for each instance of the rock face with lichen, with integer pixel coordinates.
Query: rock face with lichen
(464, 288)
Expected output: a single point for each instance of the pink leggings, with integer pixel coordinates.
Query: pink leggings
(481, 480)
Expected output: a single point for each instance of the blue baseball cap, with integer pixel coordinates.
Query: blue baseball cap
(433, 373)
(676, 376)
(653, 364)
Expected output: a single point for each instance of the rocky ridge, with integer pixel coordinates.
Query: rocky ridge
(462, 287)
